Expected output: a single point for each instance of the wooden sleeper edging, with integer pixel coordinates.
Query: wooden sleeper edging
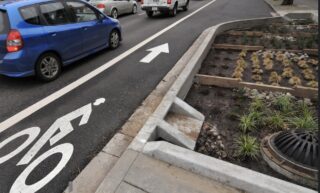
(299, 91)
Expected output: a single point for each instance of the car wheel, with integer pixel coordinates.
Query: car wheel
(114, 39)
(134, 9)
(48, 67)
(173, 12)
(186, 7)
(149, 13)
(114, 13)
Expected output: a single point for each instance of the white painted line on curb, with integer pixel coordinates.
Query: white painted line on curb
(54, 96)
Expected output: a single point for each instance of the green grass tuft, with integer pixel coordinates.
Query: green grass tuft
(283, 104)
(276, 121)
(249, 122)
(247, 147)
(306, 121)
(257, 105)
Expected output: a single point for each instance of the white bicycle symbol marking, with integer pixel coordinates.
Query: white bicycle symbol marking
(63, 126)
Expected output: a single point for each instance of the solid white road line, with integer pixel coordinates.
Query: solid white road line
(141, 13)
(54, 96)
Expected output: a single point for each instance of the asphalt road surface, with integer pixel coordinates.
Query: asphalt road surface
(58, 139)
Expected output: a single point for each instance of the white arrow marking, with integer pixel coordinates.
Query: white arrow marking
(154, 52)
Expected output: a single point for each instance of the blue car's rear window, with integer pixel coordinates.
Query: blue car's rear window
(30, 15)
(4, 24)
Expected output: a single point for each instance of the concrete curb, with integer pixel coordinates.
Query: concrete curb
(221, 171)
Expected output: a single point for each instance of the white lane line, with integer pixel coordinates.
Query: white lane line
(141, 13)
(54, 96)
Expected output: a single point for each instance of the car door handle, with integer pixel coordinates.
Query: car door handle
(85, 28)
(53, 34)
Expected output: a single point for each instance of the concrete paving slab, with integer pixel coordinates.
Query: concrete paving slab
(127, 188)
(219, 170)
(298, 7)
(93, 174)
(155, 176)
(115, 176)
(118, 144)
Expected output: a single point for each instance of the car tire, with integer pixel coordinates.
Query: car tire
(134, 9)
(173, 12)
(48, 67)
(114, 39)
(149, 13)
(114, 14)
(186, 7)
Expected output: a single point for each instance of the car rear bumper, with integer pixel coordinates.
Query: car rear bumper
(159, 8)
(14, 65)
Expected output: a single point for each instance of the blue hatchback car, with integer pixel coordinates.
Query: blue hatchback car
(39, 37)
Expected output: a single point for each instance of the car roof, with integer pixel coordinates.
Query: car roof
(18, 3)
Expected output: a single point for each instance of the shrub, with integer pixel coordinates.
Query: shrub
(239, 93)
(257, 105)
(305, 121)
(276, 121)
(247, 147)
(283, 103)
(294, 81)
(303, 108)
(249, 122)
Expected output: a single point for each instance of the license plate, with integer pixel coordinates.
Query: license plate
(154, 8)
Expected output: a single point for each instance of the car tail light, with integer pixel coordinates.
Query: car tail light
(14, 41)
(142, 2)
(169, 1)
(101, 6)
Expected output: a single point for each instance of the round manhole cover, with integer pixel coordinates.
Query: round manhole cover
(294, 154)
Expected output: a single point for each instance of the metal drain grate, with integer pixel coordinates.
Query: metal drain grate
(298, 146)
(294, 154)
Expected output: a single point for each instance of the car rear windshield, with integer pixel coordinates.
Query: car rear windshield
(4, 26)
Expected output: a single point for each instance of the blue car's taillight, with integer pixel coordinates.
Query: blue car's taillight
(14, 41)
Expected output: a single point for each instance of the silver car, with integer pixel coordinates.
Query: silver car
(114, 8)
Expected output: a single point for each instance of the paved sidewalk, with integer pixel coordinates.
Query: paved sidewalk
(148, 175)
(299, 6)
(311, 4)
